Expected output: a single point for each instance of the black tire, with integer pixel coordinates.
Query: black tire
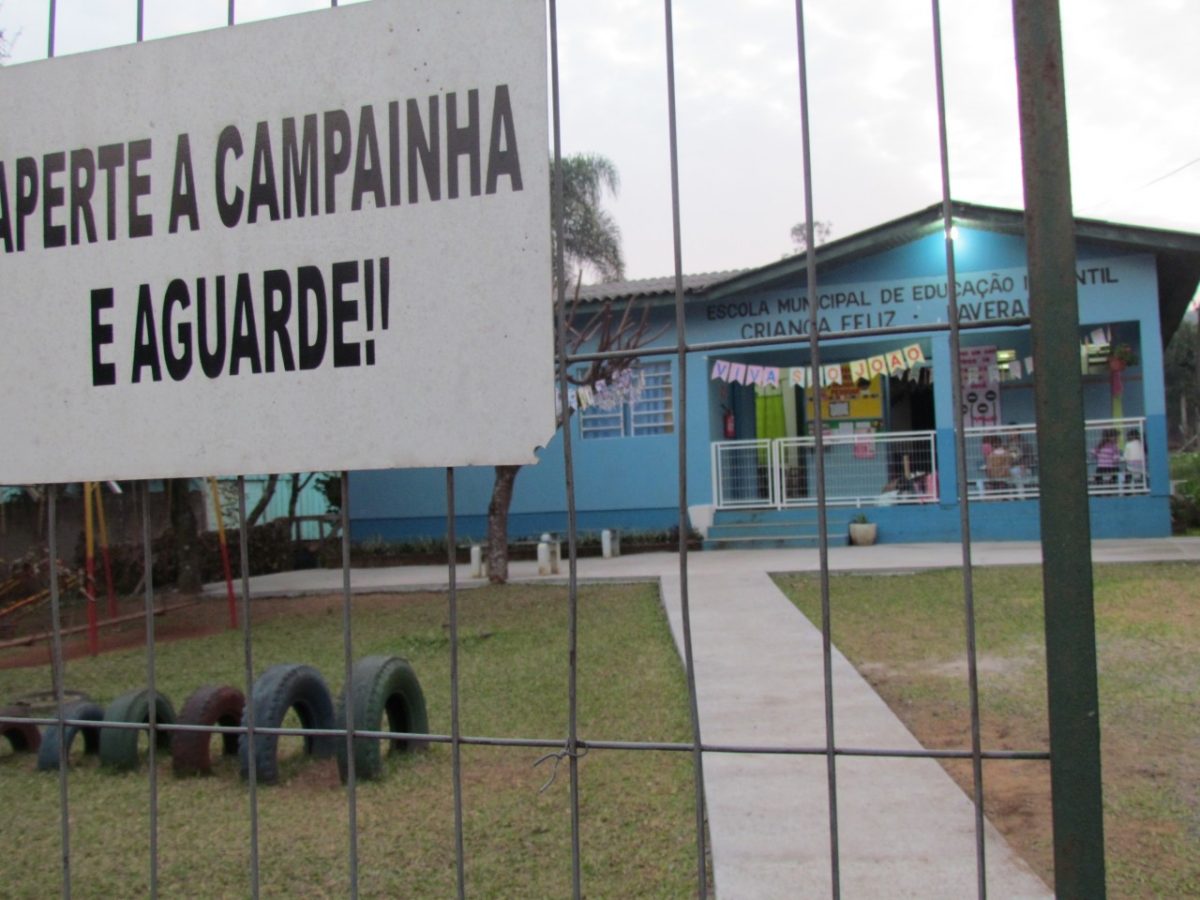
(280, 688)
(23, 737)
(382, 685)
(119, 746)
(210, 705)
(47, 760)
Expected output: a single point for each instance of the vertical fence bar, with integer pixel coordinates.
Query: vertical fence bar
(348, 690)
(141, 20)
(681, 449)
(148, 580)
(568, 461)
(53, 22)
(1075, 787)
(57, 674)
(960, 461)
(230, 15)
(248, 658)
(455, 732)
(810, 259)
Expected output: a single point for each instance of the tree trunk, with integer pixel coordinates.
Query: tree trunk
(497, 528)
(186, 534)
(263, 502)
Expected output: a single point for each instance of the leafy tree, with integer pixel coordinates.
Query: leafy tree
(1181, 373)
(591, 245)
(821, 233)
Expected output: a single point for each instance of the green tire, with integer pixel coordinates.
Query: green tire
(119, 746)
(382, 685)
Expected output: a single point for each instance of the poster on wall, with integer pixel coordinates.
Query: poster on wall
(980, 386)
(288, 245)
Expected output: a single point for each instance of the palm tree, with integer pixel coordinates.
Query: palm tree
(591, 245)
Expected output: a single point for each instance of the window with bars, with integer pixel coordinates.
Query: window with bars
(646, 408)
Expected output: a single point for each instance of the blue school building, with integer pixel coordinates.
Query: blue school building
(887, 406)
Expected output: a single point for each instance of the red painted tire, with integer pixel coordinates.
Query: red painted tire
(23, 737)
(210, 705)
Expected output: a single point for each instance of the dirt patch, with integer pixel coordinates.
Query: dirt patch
(184, 617)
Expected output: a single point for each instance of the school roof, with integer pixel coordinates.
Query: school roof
(1177, 258)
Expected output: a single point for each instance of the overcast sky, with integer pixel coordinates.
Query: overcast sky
(1133, 99)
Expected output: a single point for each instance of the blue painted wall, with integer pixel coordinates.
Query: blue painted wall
(631, 482)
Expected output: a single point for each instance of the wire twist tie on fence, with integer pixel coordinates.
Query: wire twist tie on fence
(558, 756)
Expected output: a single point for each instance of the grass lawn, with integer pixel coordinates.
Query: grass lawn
(905, 633)
(637, 816)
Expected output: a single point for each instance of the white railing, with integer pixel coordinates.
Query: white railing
(860, 470)
(1002, 462)
(901, 467)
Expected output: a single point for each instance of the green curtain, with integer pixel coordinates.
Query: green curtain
(769, 416)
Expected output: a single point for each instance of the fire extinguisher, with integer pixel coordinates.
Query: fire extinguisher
(730, 425)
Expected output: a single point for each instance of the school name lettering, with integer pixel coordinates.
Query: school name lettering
(279, 321)
(378, 156)
(991, 297)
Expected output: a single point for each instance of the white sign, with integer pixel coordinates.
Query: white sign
(317, 242)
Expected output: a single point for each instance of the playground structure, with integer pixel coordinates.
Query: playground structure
(27, 583)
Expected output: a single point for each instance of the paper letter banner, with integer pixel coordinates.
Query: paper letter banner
(720, 370)
(771, 376)
(799, 377)
(832, 374)
(584, 394)
(877, 365)
(914, 354)
(1014, 368)
(754, 374)
(859, 369)
(896, 361)
(737, 373)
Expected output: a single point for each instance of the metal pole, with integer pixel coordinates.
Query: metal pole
(348, 690)
(57, 674)
(681, 445)
(248, 660)
(960, 460)
(1066, 533)
(148, 557)
(455, 729)
(810, 258)
(572, 747)
(52, 27)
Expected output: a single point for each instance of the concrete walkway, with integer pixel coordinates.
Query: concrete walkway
(904, 828)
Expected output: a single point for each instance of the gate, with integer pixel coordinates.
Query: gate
(763, 473)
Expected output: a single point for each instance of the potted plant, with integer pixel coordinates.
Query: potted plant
(862, 531)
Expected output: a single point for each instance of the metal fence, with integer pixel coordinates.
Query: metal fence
(1070, 631)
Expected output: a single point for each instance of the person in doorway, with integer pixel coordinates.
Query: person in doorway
(1134, 457)
(997, 465)
(1108, 458)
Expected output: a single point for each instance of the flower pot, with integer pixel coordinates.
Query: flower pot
(863, 534)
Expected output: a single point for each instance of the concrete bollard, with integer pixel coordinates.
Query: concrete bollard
(555, 551)
(476, 561)
(543, 558)
(610, 543)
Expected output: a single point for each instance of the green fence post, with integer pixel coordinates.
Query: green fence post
(1066, 531)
